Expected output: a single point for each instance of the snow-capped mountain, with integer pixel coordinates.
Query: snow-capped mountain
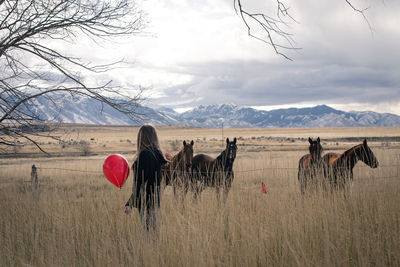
(318, 116)
(213, 116)
(88, 111)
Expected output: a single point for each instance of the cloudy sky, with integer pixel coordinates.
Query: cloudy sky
(198, 52)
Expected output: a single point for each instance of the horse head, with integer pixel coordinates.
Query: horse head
(188, 155)
(366, 155)
(231, 150)
(315, 149)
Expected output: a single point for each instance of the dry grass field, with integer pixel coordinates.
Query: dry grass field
(77, 218)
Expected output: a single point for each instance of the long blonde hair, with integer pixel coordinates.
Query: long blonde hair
(147, 138)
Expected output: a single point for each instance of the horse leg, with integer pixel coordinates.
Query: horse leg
(174, 187)
(185, 185)
(217, 191)
(196, 185)
(303, 186)
(217, 178)
(194, 177)
(172, 180)
(301, 177)
(194, 189)
(198, 188)
(226, 191)
(228, 184)
(218, 187)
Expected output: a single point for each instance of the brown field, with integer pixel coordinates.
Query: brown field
(77, 218)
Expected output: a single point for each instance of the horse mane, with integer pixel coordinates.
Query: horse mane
(314, 160)
(176, 158)
(177, 155)
(346, 154)
(222, 160)
(221, 156)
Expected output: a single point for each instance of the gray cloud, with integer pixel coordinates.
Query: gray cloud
(260, 83)
(342, 61)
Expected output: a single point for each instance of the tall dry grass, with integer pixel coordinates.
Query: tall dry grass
(78, 219)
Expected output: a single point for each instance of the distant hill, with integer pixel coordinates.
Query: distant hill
(87, 111)
(319, 116)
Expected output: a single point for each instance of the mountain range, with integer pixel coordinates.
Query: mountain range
(88, 111)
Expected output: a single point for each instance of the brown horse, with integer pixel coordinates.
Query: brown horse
(214, 172)
(180, 167)
(310, 165)
(338, 168)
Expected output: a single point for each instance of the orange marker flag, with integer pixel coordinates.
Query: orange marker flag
(264, 189)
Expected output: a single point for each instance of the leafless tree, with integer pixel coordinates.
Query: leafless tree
(274, 29)
(33, 67)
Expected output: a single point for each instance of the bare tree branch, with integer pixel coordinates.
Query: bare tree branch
(271, 29)
(362, 12)
(26, 27)
(276, 36)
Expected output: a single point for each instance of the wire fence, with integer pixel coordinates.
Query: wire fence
(185, 173)
(179, 172)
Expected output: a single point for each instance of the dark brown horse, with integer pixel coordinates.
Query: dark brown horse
(214, 172)
(310, 165)
(179, 167)
(338, 168)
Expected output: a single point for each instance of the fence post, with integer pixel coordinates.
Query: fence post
(34, 181)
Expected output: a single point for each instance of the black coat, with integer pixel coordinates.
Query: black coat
(147, 179)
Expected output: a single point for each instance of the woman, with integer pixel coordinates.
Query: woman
(147, 177)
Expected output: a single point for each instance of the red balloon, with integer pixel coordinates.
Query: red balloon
(116, 169)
